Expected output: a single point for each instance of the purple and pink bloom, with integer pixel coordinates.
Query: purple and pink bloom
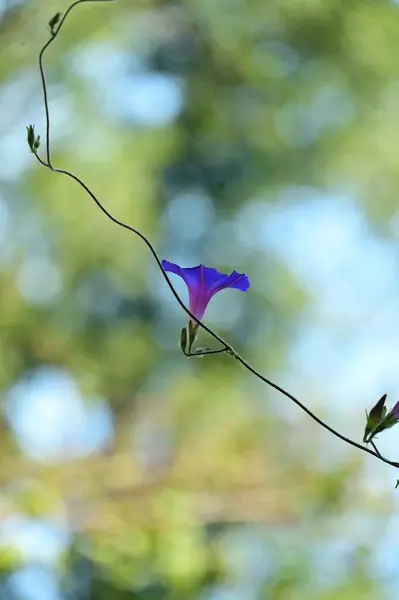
(203, 283)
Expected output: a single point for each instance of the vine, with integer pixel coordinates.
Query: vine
(378, 419)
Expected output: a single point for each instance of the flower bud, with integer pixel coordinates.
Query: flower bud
(183, 340)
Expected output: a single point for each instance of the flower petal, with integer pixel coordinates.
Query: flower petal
(204, 282)
(193, 277)
(190, 275)
(238, 281)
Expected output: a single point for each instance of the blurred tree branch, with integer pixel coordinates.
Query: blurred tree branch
(84, 500)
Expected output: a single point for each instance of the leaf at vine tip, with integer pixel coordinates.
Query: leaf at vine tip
(53, 22)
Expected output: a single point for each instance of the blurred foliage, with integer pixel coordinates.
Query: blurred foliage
(203, 490)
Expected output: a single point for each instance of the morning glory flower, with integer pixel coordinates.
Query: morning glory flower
(203, 283)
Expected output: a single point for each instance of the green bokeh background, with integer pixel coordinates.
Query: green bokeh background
(195, 122)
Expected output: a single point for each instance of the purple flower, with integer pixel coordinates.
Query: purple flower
(203, 283)
(395, 411)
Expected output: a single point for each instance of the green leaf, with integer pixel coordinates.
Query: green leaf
(53, 22)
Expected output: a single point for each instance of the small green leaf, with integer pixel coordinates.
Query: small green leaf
(397, 484)
(53, 22)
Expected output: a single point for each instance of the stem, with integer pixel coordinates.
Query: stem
(189, 354)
